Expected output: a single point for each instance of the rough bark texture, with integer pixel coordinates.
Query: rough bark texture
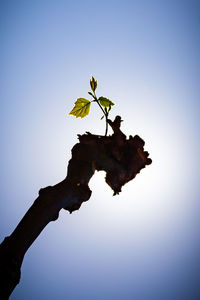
(121, 159)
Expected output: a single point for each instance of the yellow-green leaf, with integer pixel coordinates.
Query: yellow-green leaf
(105, 102)
(81, 108)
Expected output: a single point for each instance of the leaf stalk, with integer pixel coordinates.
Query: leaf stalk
(105, 112)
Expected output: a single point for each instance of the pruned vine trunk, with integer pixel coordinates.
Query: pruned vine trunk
(121, 159)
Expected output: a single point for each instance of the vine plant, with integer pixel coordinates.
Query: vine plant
(120, 158)
(82, 105)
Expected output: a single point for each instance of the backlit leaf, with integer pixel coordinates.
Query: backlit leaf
(90, 94)
(81, 108)
(105, 102)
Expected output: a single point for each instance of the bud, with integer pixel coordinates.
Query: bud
(93, 84)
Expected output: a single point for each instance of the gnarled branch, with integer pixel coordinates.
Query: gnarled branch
(121, 159)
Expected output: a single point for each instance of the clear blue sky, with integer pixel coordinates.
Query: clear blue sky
(143, 244)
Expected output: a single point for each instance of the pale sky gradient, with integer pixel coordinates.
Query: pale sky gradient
(143, 244)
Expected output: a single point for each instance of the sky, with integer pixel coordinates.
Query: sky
(144, 243)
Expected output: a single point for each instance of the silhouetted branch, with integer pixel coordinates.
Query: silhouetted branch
(119, 157)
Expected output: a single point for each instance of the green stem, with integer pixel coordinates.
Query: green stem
(105, 114)
(106, 127)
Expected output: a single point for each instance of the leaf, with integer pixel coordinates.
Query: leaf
(105, 102)
(102, 117)
(93, 84)
(90, 94)
(81, 108)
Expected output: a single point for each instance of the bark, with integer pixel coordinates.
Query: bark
(121, 159)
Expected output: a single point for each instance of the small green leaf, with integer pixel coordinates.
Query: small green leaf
(105, 102)
(93, 84)
(102, 117)
(90, 94)
(81, 108)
